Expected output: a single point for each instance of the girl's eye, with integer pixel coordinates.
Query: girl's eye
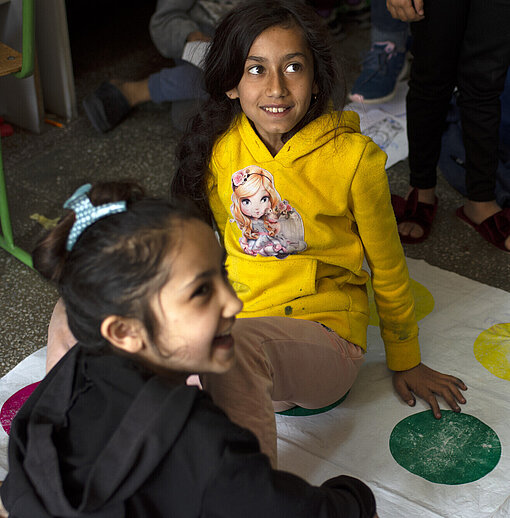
(294, 67)
(202, 290)
(264, 199)
(245, 201)
(256, 70)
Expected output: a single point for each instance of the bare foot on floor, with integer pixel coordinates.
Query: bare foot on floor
(136, 92)
(409, 228)
(479, 211)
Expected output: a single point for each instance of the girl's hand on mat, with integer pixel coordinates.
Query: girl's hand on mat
(427, 384)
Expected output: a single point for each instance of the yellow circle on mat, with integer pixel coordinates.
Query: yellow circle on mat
(423, 302)
(492, 350)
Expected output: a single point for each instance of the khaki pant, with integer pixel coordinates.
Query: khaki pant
(282, 362)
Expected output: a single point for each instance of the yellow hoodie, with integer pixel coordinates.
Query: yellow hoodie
(327, 206)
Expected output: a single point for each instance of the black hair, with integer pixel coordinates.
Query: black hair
(116, 264)
(223, 70)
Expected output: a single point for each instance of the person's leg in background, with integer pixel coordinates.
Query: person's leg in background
(504, 129)
(183, 82)
(282, 362)
(483, 66)
(452, 46)
(385, 63)
(436, 44)
(107, 106)
(183, 86)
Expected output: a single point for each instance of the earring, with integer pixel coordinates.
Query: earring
(314, 97)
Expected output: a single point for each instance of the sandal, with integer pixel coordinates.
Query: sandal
(414, 211)
(106, 107)
(494, 229)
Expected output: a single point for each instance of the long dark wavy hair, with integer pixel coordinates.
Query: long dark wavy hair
(223, 70)
(117, 264)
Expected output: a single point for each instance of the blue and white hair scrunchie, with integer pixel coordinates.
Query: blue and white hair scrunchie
(86, 213)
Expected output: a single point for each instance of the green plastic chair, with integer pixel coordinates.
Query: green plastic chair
(21, 65)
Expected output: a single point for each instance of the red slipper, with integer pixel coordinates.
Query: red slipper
(495, 229)
(414, 211)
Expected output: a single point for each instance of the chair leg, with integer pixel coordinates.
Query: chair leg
(6, 239)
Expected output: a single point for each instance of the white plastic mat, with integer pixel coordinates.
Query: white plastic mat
(353, 438)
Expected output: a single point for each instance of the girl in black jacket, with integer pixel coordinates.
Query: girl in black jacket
(113, 430)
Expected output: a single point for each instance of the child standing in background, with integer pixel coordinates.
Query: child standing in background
(272, 84)
(113, 430)
(465, 45)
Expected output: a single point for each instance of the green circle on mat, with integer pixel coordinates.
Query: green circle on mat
(298, 411)
(456, 449)
(423, 302)
(492, 350)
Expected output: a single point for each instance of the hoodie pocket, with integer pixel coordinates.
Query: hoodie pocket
(267, 282)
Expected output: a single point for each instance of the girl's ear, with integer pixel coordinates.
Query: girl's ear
(125, 333)
(232, 94)
(315, 88)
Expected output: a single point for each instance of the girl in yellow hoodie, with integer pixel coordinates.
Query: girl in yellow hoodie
(300, 198)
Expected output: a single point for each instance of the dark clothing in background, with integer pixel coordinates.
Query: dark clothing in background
(463, 43)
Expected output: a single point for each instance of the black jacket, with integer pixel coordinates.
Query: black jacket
(102, 437)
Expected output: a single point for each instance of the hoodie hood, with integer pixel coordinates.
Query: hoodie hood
(307, 140)
(129, 437)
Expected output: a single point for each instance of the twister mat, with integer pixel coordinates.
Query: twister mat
(457, 467)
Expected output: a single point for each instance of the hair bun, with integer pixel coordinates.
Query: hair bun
(50, 254)
(107, 192)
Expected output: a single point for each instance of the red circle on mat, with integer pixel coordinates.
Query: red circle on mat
(13, 404)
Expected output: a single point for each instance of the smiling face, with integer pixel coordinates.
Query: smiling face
(255, 206)
(276, 88)
(195, 310)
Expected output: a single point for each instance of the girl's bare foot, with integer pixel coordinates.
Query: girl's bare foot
(479, 211)
(409, 228)
(136, 92)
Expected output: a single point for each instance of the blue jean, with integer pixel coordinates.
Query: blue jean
(386, 28)
(181, 85)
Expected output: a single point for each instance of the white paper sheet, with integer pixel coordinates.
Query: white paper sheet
(385, 124)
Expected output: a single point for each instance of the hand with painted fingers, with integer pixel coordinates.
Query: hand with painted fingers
(426, 383)
(406, 10)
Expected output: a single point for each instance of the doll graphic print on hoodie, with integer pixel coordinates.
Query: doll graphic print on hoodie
(268, 224)
(334, 179)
